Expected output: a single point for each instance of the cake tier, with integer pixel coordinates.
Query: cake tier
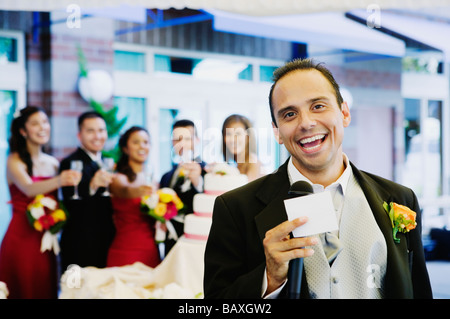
(203, 204)
(217, 184)
(197, 228)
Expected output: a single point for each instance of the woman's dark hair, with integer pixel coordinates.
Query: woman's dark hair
(123, 166)
(17, 142)
(243, 164)
(250, 142)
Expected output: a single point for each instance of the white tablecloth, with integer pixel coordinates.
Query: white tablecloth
(3, 290)
(184, 265)
(180, 275)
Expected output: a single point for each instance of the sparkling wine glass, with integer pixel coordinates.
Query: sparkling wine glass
(148, 178)
(108, 165)
(76, 166)
(187, 156)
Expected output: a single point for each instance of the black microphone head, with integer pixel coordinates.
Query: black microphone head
(300, 188)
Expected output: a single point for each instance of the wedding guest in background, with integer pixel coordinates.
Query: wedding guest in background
(28, 272)
(186, 175)
(239, 146)
(89, 231)
(135, 232)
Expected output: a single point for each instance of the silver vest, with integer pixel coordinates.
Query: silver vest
(359, 268)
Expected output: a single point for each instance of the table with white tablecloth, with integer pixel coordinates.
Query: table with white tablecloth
(184, 265)
(3, 290)
(179, 275)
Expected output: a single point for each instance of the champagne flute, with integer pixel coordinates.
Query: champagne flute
(108, 165)
(76, 166)
(187, 156)
(148, 178)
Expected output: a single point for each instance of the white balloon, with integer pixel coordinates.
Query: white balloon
(97, 85)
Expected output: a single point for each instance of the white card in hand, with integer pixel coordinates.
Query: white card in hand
(320, 212)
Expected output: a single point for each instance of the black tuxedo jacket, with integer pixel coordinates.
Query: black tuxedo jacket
(235, 260)
(89, 230)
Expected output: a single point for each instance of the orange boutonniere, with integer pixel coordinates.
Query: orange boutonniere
(403, 219)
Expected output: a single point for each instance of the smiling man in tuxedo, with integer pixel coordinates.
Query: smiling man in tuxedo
(249, 247)
(89, 230)
(186, 175)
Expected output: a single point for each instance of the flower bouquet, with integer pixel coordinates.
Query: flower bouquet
(162, 206)
(45, 215)
(403, 219)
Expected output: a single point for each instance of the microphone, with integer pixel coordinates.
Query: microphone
(294, 283)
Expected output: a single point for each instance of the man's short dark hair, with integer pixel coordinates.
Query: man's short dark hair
(88, 115)
(184, 123)
(303, 64)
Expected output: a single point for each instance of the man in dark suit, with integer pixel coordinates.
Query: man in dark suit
(89, 230)
(249, 247)
(186, 175)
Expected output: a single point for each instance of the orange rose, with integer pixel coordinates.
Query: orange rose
(405, 216)
(403, 219)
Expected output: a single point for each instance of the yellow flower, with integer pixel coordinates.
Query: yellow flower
(59, 215)
(36, 203)
(37, 225)
(166, 195)
(178, 203)
(160, 209)
(144, 198)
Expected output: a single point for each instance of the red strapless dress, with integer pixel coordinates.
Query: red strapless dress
(28, 273)
(135, 235)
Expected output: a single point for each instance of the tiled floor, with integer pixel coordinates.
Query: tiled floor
(439, 272)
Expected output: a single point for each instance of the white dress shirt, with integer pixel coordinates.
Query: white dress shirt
(337, 189)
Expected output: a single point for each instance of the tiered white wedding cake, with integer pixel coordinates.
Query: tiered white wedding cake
(221, 179)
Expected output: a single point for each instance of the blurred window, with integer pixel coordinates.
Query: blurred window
(129, 61)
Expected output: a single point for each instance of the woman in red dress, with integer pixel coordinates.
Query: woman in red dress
(135, 232)
(27, 272)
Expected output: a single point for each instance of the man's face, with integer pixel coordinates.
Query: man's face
(310, 121)
(93, 134)
(183, 139)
